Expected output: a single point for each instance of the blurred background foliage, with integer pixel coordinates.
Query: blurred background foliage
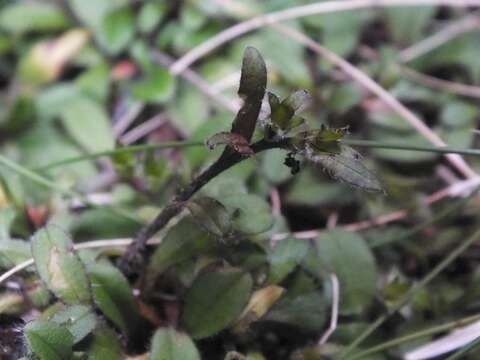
(86, 76)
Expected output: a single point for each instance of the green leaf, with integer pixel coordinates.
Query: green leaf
(340, 34)
(344, 96)
(95, 82)
(105, 345)
(80, 320)
(113, 295)
(158, 86)
(406, 24)
(310, 190)
(169, 344)
(285, 257)
(87, 122)
(7, 215)
(117, 30)
(150, 15)
(182, 241)
(323, 140)
(211, 215)
(253, 81)
(346, 166)
(250, 214)
(22, 17)
(214, 301)
(345, 253)
(308, 311)
(273, 166)
(13, 252)
(282, 114)
(48, 340)
(59, 267)
(254, 74)
(285, 57)
(92, 12)
(458, 114)
(52, 100)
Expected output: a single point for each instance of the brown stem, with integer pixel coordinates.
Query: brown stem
(135, 258)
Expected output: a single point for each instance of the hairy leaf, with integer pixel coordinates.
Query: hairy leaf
(59, 267)
(297, 101)
(80, 320)
(345, 166)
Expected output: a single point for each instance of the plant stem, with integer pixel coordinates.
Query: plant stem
(122, 150)
(409, 295)
(416, 335)
(191, 143)
(440, 150)
(135, 258)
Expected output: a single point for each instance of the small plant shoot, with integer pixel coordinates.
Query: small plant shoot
(239, 180)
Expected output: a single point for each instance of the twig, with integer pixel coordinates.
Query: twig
(143, 129)
(122, 150)
(126, 119)
(15, 269)
(276, 201)
(199, 82)
(295, 12)
(108, 243)
(334, 314)
(448, 33)
(445, 85)
(227, 82)
(332, 220)
(461, 188)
